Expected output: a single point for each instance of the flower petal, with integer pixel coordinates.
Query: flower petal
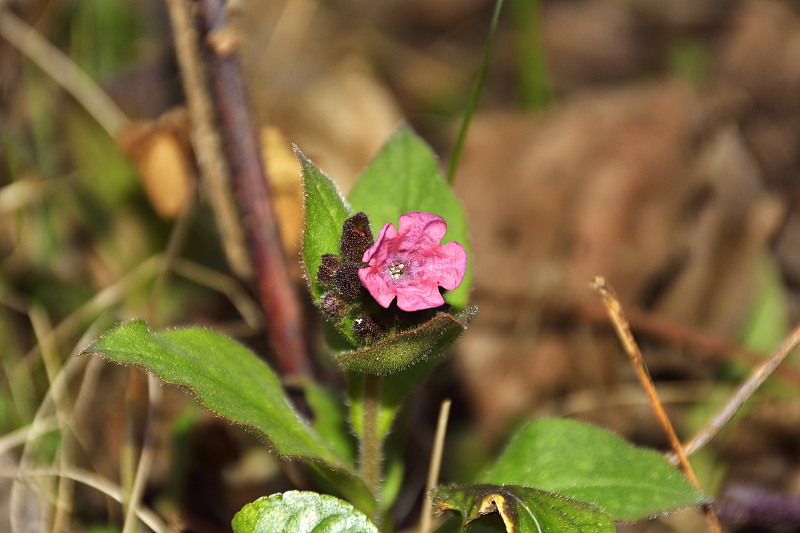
(382, 292)
(377, 253)
(418, 297)
(421, 229)
(448, 266)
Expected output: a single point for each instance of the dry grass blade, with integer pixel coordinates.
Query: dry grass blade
(205, 140)
(435, 466)
(148, 517)
(66, 73)
(756, 379)
(622, 328)
(145, 457)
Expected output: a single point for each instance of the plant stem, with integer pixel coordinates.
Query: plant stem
(250, 179)
(476, 92)
(371, 441)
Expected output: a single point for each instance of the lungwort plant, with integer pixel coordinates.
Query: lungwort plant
(389, 269)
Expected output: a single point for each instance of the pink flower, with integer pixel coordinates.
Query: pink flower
(411, 265)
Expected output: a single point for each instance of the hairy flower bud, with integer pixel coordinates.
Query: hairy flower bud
(368, 328)
(347, 283)
(332, 304)
(356, 237)
(329, 264)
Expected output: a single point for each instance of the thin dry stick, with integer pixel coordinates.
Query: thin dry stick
(756, 379)
(622, 328)
(64, 71)
(206, 142)
(225, 284)
(435, 466)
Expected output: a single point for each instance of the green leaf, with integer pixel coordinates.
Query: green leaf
(330, 418)
(230, 380)
(523, 510)
(431, 340)
(325, 212)
(590, 464)
(404, 176)
(301, 512)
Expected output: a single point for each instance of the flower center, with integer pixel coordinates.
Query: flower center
(396, 269)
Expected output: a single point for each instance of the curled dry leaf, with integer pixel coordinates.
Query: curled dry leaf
(164, 158)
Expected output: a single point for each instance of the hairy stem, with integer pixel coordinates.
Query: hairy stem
(371, 441)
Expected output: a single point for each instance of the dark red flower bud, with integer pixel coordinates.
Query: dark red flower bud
(347, 283)
(328, 266)
(356, 237)
(332, 304)
(368, 328)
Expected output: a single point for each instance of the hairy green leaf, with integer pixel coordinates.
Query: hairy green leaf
(523, 510)
(230, 380)
(301, 512)
(325, 212)
(404, 176)
(430, 340)
(590, 464)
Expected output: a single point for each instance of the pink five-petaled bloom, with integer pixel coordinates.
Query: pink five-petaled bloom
(411, 265)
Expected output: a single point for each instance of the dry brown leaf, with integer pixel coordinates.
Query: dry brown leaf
(635, 185)
(162, 154)
(284, 172)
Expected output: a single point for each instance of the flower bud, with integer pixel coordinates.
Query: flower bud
(347, 283)
(332, 304)
(329, 264)
(356, 237)
(368, 328)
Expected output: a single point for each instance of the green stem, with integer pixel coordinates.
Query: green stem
(371, 441)
(476, 92)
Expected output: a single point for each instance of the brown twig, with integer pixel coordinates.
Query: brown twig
(683, 335)
(653, 325)
(206, 142)
(756, 379)
(249, 179)
(622, 328)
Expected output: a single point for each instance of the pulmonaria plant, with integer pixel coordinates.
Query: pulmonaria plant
(411, 264)
(555, 476)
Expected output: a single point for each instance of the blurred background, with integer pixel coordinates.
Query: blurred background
(654, 143)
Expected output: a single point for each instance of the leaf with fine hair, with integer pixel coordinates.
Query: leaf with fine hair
(430, 340)
(590, 464)
(522, 509)
(232, 381)
(301, 512)
(325, 212)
